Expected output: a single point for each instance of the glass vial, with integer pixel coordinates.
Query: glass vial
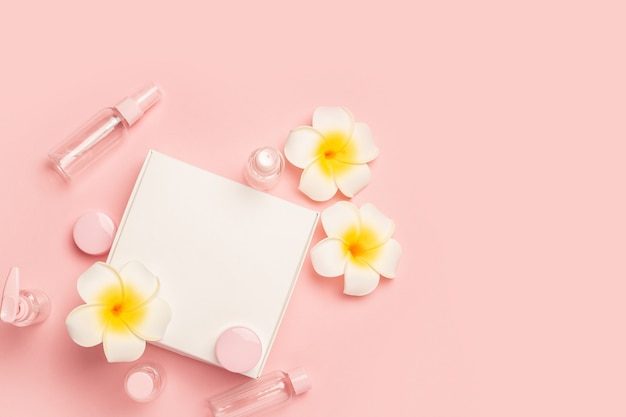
(258, 396)
(264, 168)
(144, 382)
(100, 133)
(22, 308)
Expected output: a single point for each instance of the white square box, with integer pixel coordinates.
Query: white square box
(226, 255)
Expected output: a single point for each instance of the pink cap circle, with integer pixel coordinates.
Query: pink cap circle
(238, 349)
(94, 232)
(299, 380)
(140, 386)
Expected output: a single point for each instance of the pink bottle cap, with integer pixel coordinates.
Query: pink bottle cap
(300, 380)
(140, 386)
(238, 349)
(133, 107)
(267, 160)
(94, 232)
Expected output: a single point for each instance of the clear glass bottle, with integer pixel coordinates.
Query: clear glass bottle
(264, 167)
(100, 133)
(144, 382)
(22, 307)
(258, 396)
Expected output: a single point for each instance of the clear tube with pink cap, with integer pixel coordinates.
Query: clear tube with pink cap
(101, 132)
(269, 392)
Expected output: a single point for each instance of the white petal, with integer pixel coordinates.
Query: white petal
(316, 183)
(350, 178)
(329, 257)
(303, 145)
(122, 345)
(85, 326)
(359, 278)
(156, 315)
(94, 281)
(386, 258)
(333, 120)
(339, 218)
(143, 282)
(382, 226)
(362, 146)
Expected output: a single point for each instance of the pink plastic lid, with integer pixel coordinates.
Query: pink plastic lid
(94, 232)
(238, 349)
(140, 386)
(133, 107)
(300, 380)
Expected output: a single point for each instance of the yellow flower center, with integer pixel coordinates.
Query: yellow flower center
(361, 244)
(120, 309)
(335, 151)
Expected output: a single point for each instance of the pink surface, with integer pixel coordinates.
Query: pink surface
(501, 134)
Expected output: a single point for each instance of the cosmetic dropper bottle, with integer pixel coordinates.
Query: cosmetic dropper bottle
(264, 168)
(100, 133)
(255, 397)
(20, 307)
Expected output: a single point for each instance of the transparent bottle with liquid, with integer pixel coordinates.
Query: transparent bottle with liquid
(101, 132)
(256, 397)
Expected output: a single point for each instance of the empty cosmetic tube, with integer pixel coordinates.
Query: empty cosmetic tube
(264, 167)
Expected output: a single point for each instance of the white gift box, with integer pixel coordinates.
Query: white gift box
(227, 256)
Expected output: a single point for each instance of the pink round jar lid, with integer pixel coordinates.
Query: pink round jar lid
(94, 232)
(238, 349)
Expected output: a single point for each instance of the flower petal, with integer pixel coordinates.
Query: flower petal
(316, 183)
(333, 120)
(350, 179)
(156, 315)
(144, 284)
(381, 225)
(122, 345)
(384, 259)
(303, 145)
(99, 279)
(329, 257)
(85, 325)
(362, 148)
(339, 218)
(359, 278)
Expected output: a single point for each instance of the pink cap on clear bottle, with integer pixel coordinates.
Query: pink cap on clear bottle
(134, 106)
(299, 380)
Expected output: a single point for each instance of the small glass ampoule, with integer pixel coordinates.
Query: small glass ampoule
(264, 167)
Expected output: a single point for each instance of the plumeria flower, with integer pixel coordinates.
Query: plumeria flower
(333, 153)
(122, 311)
(359, 246)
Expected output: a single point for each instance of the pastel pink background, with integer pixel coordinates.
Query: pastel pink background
(501, 128)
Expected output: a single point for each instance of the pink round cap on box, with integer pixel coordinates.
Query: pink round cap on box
(94, 232)
(300, 380)
(238, 349)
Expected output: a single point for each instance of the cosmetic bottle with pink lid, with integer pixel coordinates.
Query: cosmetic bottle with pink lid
(100, 133)
(269, 392)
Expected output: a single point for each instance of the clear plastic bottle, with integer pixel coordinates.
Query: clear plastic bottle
(144, 382)
(258, 396)
(264, 167)
(20, 307)
(100, 133)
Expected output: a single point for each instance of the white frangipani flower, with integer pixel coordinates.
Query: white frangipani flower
(333, 153)
(122, 311)
(359, 246)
